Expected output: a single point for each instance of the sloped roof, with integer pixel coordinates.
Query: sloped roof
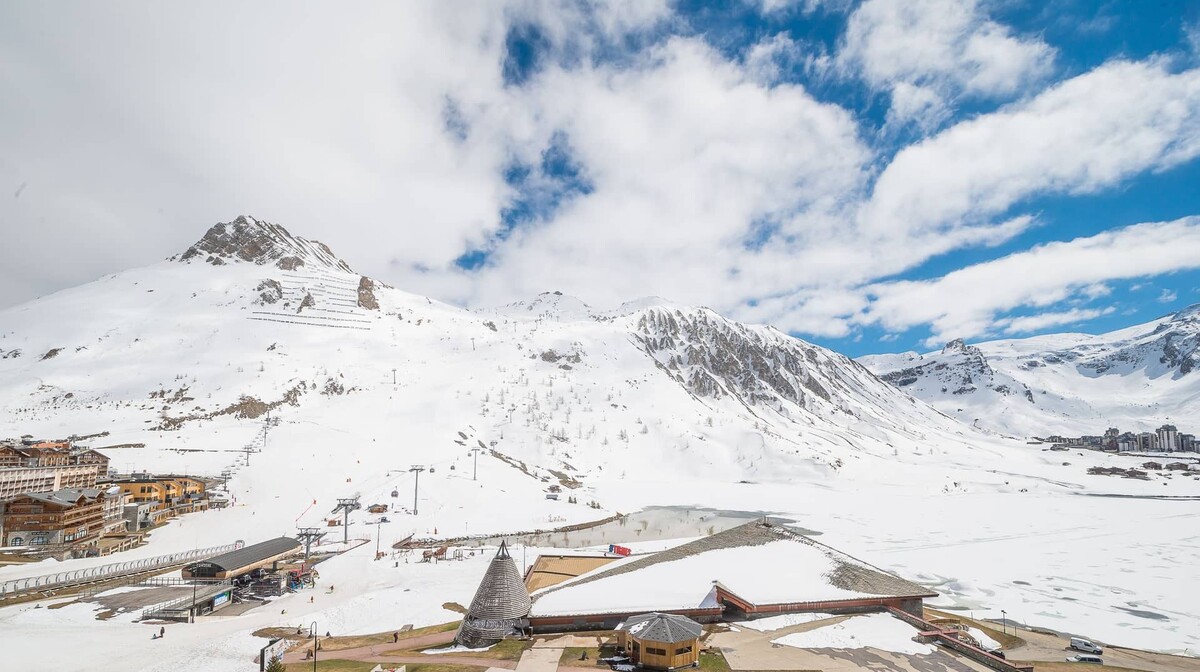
(668, 628)
(248, 555)
(501, 593)
(66, 496)
(500, 605)
(760, 562)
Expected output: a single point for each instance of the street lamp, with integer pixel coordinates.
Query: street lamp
(312, 631)
(1004, 621)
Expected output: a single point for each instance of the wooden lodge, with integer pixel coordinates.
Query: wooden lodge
(70, 516)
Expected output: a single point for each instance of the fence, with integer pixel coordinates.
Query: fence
(174, 605)
(949, 639)
(75, 577)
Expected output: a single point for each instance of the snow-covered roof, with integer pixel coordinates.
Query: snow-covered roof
(759, 562)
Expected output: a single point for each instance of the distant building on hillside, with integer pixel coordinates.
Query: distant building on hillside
(1168, 438)
(1147, 442)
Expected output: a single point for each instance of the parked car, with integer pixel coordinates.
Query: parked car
(1085, 658)
(1085, 645)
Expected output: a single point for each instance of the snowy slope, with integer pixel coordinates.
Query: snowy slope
(649, 404)
(1073, 384)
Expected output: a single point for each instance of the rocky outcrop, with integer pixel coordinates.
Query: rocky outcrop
(250, 240)
(715, 357)
(366, 294)
(269, 291)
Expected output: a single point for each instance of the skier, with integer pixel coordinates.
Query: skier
(162, 631)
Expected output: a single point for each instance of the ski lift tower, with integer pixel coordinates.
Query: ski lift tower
(309, 536)
(345, 506)
(416, 483)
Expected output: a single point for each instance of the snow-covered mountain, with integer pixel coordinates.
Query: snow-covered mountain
(252, 318)
(1073, 384)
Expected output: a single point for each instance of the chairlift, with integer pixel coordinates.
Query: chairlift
(432, 470)
(395, 493)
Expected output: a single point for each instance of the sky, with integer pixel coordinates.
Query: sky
(872, 176)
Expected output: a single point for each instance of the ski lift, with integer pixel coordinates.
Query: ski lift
(432, 470)
(395, 493)
(452, 467)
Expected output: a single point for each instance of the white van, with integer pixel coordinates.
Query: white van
(1081, 644)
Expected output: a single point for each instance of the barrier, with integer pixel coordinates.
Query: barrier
(75, 577)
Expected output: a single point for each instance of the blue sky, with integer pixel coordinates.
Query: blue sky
(872, 176)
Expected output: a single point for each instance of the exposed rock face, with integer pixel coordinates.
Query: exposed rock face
(269, 291)
(307, 302)
(248, 239)
(366, 294)
(715, 357)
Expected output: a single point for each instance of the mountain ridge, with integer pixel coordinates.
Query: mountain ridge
(1136, 377)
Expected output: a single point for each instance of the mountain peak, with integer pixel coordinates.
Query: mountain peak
(957, 345)
(1192, 312)
(251, 240)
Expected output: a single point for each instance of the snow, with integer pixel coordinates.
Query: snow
(984, 640)
(876, 631)
(777, 572)
(988, 522)
(773, 623)
(1077, 384)
(454, 649)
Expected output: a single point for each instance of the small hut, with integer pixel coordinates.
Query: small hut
(500, 607)
(661, 641)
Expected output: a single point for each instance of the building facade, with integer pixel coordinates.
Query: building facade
(67, 517)
(1168, 438)
(22, 479)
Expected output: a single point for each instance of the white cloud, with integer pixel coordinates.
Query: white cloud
(1080, 136)
(941, 49)
(713, 180)
(971, 301)
(1028, 323)
(1167, 296)
(805, 6)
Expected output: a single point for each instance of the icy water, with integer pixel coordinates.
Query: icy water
(651, 524)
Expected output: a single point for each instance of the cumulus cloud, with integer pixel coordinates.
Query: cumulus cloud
(1029, 323)
(973, 301)
(392, 134)
(1167, 296)
(1087, 133)
(927, 52)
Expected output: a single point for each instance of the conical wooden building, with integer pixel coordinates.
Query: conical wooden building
(501, 605)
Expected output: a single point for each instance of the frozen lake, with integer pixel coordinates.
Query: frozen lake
(653, 523)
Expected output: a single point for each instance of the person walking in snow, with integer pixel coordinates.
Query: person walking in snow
(395, 637)
(162, 631)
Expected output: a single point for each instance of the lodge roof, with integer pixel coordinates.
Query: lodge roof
(668, 628)
(736, 561)
(248, 555)
(65, 496)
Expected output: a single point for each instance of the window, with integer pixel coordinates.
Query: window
(656, 652)
(18, 541)
(686, 649)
